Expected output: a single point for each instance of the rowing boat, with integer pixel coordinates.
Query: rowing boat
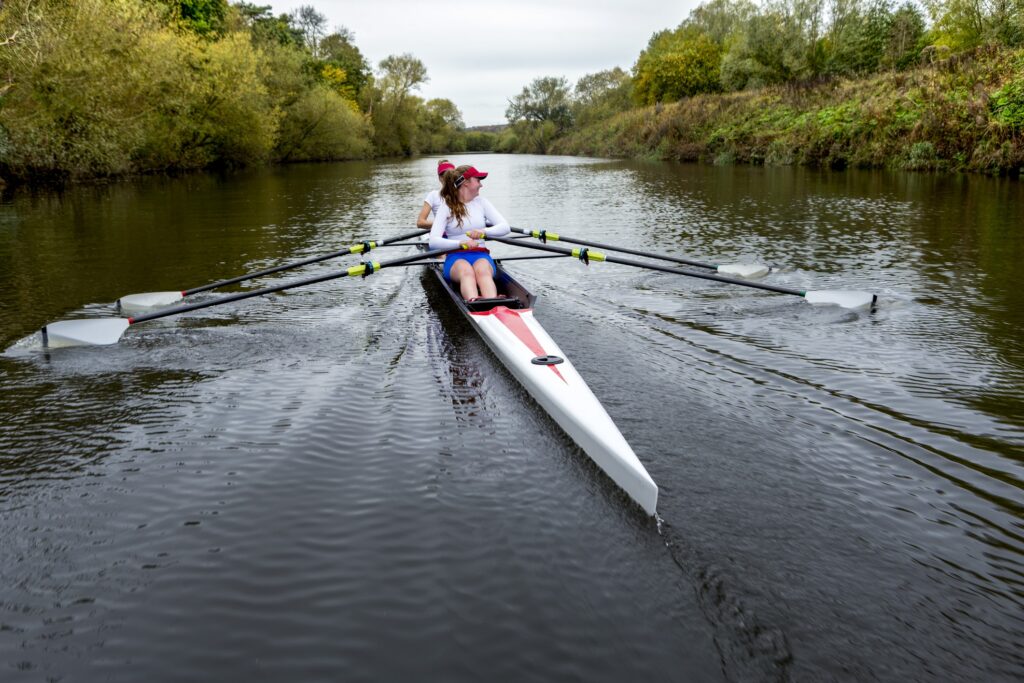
(507, 325)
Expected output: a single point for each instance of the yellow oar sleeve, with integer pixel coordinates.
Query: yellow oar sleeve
(587, 254)
(360, 248)
(364, 269)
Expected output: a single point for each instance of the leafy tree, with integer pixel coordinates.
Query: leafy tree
(400, 75)
(906, 34)
(389, 100)
(339, 50)
(962, 24)
(265, 27)
(759, 55)
(857, 39)
(321, 125)
(441, 127)
(154, 97)
(480, 141)
(204, 17)
(677, 64)
(601, 95)
(720, 20)
(544, 100)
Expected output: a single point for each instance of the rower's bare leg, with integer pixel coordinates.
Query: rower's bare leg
(465, 276)
(485, 279)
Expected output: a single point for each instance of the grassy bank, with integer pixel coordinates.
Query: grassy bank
(964, 113)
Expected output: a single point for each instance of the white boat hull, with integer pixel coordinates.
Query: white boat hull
(517, 338)
(533, 357)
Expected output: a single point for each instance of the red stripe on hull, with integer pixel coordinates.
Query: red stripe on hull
(511, 319)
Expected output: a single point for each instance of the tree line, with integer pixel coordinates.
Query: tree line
(797, 54)
(93, 88)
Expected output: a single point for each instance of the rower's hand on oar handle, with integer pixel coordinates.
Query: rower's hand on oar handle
(476, 234)
(470, 244)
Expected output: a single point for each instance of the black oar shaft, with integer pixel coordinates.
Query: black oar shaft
(651, 266)
(355, 270)
(543, 234)
(354, 249)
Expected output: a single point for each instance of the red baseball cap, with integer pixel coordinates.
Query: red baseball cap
(444, 166)
(471, 172)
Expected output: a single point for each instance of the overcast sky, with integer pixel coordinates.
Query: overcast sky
(481, 54)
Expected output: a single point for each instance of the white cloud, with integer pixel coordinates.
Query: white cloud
(480, 54)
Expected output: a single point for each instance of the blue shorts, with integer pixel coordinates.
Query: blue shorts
(471, 256)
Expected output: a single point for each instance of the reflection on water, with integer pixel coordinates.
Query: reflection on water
(339, 478)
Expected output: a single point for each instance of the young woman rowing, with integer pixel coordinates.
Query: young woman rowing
(433, 198)
(462, 219)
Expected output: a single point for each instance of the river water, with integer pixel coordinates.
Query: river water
(340, 482)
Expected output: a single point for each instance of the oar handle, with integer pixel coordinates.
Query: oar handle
(361, 269)
(354, 249)
(650, 266)
(545, 235)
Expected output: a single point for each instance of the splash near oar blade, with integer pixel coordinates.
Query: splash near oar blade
(134, 303)
(749, 271)
(843, 298)
(91, 332)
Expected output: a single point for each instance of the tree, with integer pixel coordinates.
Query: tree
(441, 127)
(312, 25)
(265, 27)
(400, 75)
(202, 17)
(962, 24)
(600, 95)
(205, 17)
(906, 32)
(720, 20)
(545, 99)
(339, 50)
(677, 64)
(392, 105)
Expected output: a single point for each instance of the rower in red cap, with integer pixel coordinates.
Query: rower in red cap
(433, 198)
(462, 220)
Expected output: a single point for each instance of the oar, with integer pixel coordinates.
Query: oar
(843, 298)
(745, 270)
(150, 300)
(100, 331)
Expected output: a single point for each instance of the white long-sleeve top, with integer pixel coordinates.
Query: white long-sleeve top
(479, 211)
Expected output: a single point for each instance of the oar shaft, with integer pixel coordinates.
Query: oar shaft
(538, 234)
(354, 249)
(651, 266)
(354, 270)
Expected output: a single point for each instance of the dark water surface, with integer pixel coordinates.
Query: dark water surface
(341, 483)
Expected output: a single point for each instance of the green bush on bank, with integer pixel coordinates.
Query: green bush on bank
(102, 87)
(961, 114)
(92, 88)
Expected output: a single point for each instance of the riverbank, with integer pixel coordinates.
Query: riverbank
(964, 113)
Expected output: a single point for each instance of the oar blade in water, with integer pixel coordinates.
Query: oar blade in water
(135, 303)
(749, 271)
(91, 332)
(838, 297)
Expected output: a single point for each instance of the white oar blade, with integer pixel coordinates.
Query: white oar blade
(92, 332)
(135, 303)
(749, 271)
(843, 298)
